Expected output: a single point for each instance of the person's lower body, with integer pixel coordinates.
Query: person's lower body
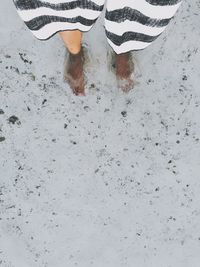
(129, 25)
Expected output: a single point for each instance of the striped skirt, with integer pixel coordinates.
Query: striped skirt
(129, 24)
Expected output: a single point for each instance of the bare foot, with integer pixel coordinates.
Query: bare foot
(124, 68)
(74, 72)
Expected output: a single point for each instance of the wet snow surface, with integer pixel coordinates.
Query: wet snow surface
(106, 180)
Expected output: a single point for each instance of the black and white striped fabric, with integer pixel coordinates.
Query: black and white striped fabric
(129, 24)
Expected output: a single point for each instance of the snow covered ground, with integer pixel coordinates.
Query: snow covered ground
(106, 180)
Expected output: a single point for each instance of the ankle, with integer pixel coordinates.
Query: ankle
(75, 49)
(75, 56)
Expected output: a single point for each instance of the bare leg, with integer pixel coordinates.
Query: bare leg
(74, 73)
(72, 40)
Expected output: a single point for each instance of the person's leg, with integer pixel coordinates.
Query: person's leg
(72, 40)
(70, 18)
(135, 25)
(124, 68)
(74, 72)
